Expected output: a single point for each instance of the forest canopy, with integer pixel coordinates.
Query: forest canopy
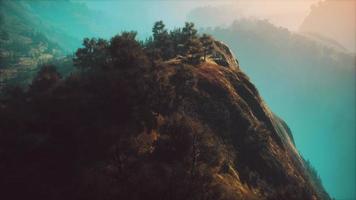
(57, 127)
(124, 50)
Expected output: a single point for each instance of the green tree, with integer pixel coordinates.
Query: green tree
(46, 78)
(192, 44)
(94, 54)
(207, 43)
(126, 51)
(177, 38)
(189, 31)
(162, 41)
(159, 31)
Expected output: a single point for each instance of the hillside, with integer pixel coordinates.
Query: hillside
(173, 118)
(33, 33)
(70, 21)
(311, 86)
(27, 42)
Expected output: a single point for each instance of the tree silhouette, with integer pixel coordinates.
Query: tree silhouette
(125, 51)
(46, 78)
(93, 55)
(161, 40)
(177, 38)
(207, 42)
(192, 44)
(189, 31)
(159, 30)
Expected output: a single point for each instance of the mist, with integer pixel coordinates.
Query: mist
(289, 14)
(308, 80)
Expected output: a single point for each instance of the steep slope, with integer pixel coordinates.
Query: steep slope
(310, 86)
(149, 130)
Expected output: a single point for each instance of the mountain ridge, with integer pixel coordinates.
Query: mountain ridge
(138, 122)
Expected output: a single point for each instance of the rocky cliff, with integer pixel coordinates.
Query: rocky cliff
(165, 130)
(236, 147)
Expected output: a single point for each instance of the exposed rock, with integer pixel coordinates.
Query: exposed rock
(222, 55)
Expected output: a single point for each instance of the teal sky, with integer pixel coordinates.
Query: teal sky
(140, 15)
(325, 135)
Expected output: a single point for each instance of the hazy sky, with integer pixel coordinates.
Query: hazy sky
(286, 13)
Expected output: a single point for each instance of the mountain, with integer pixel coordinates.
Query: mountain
(37, 32)
(333, 19)
(310, 85)
(72, 19)
(26, 17)
(149, 121)
(325, 41)
(27, 42)
(22, 47)
(213, 16)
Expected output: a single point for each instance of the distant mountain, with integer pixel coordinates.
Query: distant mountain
(23, 45)
(333, 19)
(36, 32)
(21, 14)
(325, 41)
(301, 79)
(213, 16)
(72, 18)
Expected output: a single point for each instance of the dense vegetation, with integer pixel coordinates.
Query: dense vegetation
(146, 120)
(60, 129)
(123, 49)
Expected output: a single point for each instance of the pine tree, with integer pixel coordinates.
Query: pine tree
(125, 51)
(192, 44)
(162, 41)
(207, 43)
(93, 55)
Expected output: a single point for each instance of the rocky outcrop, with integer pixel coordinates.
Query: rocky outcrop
(222, 55)
(170, 130)
(260, 159)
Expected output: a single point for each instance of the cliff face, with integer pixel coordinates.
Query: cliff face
(171, 131)
(236, 148)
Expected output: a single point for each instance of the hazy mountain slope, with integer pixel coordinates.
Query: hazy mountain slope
(136, 127)
(325, 41)
(333, 19)
(72, 18)
(63, 22)
(212, 16)
(310, 85)
(23, 12)
(38, 32)
(23, 45)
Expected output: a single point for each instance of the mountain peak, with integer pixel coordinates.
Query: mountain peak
(174, 118)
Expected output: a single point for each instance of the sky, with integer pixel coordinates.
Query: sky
(289, 14)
